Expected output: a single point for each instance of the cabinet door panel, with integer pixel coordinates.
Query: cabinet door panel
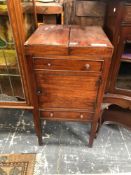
(60, 90)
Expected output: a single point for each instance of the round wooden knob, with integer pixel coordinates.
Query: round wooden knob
(87, 66)
(49, 64)
(81, 116)
(51, 114)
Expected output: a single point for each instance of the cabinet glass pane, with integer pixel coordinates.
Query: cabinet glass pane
(124, 76)
(28, 14)
(126, 56)
(11, 88)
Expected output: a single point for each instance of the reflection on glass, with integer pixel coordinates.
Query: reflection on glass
(29, 20)
(10, 79)
(127, 51)
(124, 76)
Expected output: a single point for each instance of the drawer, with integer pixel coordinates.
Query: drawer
(67, 64)
(67, 90)
(67, 115)
(127, 14)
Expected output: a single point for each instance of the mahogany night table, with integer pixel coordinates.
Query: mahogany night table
(68, 68)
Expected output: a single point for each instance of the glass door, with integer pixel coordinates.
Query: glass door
(11, 87)
(29, 16)
(123, 78)
(124, 75)
(17, 22)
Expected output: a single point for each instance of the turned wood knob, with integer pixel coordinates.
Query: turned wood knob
(49, 64)
(87, 66)
(51, 114)
(81, 116)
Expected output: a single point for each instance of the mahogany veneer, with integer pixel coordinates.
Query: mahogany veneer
(68, 68)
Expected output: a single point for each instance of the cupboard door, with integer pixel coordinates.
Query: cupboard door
(58, 89)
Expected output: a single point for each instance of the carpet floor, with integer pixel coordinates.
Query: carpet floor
(17, 164)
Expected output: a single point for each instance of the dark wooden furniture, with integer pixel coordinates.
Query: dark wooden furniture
(89, 12)
(118, 90)
(117, 115)
(68, 68)
(49, 13)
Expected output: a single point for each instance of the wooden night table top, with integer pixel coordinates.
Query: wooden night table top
(69, 40)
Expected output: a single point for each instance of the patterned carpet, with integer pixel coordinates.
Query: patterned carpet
(17, 164)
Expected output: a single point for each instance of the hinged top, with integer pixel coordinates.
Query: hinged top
(91, 36)
(56, 35)
(68, 40)
(50, 39)
(89, 40)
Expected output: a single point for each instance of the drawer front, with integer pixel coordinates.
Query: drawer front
(127, 14)
(67, 64)
(59, 90)
(67, 115)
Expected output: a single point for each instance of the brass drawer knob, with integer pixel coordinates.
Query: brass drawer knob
(49, 64)
(87, 66)
(51, 114)
(81, 116)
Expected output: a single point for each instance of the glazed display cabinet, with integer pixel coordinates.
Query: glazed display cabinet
(16, 25)
(118, 91)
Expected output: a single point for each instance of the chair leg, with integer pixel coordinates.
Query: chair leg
(37, 123)
(92, 133)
